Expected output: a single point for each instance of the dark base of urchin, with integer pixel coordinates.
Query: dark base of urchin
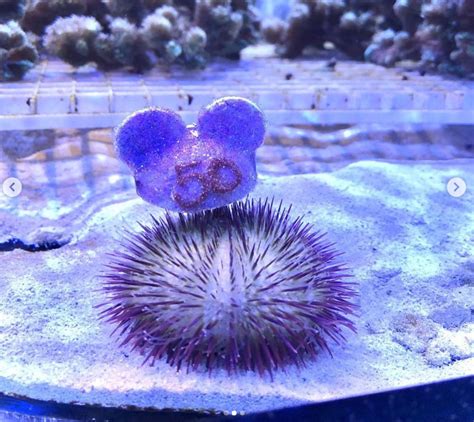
(243, 287)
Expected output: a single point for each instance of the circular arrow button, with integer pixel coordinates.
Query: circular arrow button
(12, 187)
(456, 187)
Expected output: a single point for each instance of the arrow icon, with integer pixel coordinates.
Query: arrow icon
(12, 187)
(456, 187)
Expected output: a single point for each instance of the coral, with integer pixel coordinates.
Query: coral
(131, 10)
(198, 167)
(389, 47)
(437, 34)
(79, 40)
(180, 31)
(244, 287)
(41, 13)
(123, 46)
(313, 22)
(409, 13)
(152, 5)
(173, 37)
(463, 54)
(465, 15)
(357, 25)
(230, 25)
(274, 30)
(12, 10)
(160, 28)
(17, 55)
(298, 33)
(445, 37)
(194, 47)
(72, 39)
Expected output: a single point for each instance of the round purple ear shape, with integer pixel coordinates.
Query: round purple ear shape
(146, 133)
(236, 122)
(198, 167)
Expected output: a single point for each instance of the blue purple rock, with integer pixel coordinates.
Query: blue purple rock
(192, 168)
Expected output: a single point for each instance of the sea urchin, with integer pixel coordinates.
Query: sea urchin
(243, 287)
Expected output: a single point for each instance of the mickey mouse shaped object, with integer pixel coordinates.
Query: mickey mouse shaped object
(197, 167)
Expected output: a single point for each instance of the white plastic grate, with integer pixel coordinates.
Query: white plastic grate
(54, 95)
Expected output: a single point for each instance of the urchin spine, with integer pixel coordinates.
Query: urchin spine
(240, 287)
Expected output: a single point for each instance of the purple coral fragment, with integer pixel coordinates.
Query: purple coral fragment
(202, 166)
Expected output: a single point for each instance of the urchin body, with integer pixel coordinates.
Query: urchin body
(240, 287)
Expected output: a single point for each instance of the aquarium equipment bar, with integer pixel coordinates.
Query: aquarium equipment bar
(54, 95)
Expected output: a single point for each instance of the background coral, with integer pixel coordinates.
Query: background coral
(314, 22)
(437, 34)
(131, 10)
(41, 13)
(122, 46)
(163, 31)
(185, 32)
(72, 39)
(17, 54)
(230, 25)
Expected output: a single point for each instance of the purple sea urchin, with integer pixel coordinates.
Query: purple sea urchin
(243, 287)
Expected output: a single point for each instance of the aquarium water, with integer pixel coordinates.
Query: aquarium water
(231, 237)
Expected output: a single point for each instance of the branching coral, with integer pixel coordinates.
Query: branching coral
(185, 32)
(41, 13)
(17, 55)
(356, 26)
(230, 25)
(446, 36)
(79, 40)
(160, 28)
(389, 47)
(123, 46)
(194, 45)
(313, 22)
(131, 10)
(274, 30)
(409, 13)
(438, 34)
(72, 39)
(463, 55)
(173, 37)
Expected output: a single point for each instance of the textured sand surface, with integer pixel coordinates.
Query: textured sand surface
(409, 244)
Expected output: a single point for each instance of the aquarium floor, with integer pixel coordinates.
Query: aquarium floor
(409, 244)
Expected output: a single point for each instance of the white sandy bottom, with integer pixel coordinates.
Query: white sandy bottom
(408, 243)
